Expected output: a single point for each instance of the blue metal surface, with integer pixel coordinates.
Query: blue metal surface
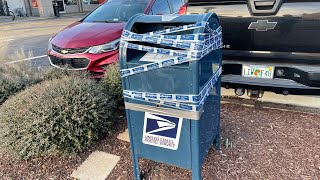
(197, 136)
(172, 157)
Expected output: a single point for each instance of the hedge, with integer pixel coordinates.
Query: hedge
(64, 115)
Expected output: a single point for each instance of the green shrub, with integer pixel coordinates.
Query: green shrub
(112, 83)
(60, 116)
(55, 73)
(16, 77)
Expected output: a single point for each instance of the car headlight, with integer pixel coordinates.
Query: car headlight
(49, 44)
(105, 47)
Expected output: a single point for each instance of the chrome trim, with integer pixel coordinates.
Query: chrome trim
(261, 52)
(86, 51)
(306, 54)
(75, 69)
(262, 25)
(304, 67)
(277, 82)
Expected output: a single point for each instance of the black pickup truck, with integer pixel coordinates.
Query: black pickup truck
(269, 45)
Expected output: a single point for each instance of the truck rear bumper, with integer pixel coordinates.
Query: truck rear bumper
(294, 78)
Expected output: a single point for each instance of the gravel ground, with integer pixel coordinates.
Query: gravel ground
(267, 144)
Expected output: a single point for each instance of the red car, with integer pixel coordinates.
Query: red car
(93, 42)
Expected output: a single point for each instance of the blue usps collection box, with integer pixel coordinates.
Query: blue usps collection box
(171, 68)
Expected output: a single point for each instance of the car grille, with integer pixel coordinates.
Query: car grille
(69, 50)
(72, 63)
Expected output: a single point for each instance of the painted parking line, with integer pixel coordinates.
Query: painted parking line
(27, 59)
(7, 40)
(4, 38)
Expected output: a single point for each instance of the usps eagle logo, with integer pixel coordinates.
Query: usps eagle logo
(162, 131)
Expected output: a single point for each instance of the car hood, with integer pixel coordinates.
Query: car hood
(84, 34)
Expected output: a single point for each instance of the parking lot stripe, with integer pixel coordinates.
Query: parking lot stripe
(6, 40)
(27, 59)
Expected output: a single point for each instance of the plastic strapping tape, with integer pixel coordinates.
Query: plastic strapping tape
(178, 101)
(195, 46)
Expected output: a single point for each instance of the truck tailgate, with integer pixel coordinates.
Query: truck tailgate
(281, 34)
(292, 26)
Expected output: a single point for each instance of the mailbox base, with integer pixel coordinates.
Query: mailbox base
(196, 137)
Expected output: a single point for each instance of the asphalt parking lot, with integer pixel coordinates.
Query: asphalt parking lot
(29, 36)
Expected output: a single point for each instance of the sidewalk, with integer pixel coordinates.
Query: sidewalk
(8, 19)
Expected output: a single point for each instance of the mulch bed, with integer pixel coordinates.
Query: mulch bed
(267, 144)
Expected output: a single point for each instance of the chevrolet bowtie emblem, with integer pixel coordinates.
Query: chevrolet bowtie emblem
(64, 51)
(262, 25)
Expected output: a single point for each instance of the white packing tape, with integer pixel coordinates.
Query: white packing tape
(178, 101)
(194, 47)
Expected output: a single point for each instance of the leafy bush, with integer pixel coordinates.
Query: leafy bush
(60, 116)
(16, 77)
(112, 83)
(55, 73)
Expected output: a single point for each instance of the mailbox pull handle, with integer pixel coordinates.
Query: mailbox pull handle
(264, 7)
(265, 3)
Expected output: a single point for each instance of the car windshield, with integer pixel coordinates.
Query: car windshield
(117, 11)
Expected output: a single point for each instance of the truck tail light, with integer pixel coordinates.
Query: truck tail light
(183, 9)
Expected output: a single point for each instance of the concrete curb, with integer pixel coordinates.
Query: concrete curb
(96, 167)
(28, 19)
(124, 136)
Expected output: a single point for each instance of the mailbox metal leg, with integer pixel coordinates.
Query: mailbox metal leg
(195, 151)
(136, 170)
(135, 158)
(217, 144)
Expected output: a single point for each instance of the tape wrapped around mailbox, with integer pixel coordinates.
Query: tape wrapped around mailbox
(194, 47)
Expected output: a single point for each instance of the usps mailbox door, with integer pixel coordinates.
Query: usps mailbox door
(161, 138)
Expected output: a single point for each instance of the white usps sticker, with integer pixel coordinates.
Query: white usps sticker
(162, 131)
(168, 17)
(154, 57)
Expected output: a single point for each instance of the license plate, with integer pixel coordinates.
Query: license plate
(258, 71)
